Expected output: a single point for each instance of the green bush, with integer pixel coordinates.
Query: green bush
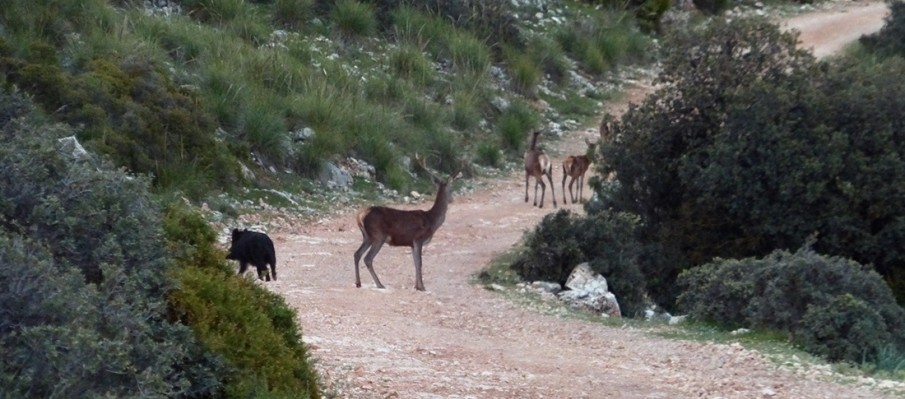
(82, 263)
(830, 306)
(845, 328)
(888, 41)
(607, 241)
(741, 153)
(254, 330)
(718, 292)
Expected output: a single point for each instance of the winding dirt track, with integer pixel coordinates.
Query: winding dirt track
(458, 340)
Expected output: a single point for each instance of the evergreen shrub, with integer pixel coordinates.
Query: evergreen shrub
(831, 306)
(607, 240)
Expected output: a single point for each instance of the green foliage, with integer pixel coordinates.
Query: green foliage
(607, 240)
(846, 328)
(82, 275)
(215, 11)
(131, 112)
(409, 62)
(832, 307)
(751, 145)
(188, 98)
(292, 13)
(549, 56)
(352, 18)
(888, 41)
(600, 42)
(254, 330)
(488, 154)
(524, 72)
(515, 124)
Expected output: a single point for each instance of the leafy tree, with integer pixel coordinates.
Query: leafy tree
(752, 145)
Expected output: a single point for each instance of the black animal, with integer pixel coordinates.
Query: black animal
(255, 248)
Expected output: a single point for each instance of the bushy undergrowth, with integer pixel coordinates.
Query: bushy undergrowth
(741, 153)
(830, 306)
(607, 240)
(83, 276)
(91, 306)
(888, 41)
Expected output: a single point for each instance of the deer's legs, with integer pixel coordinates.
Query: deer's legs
(580, 189)
(369, 260)
(552, 190)
(526, 188)
(416, 254)
(539, 181)
(572, 196)
(565, 174)
(361, 250)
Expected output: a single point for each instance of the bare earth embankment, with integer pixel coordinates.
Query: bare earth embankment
(458, 340)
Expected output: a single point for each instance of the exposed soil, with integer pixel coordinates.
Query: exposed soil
(459, 340)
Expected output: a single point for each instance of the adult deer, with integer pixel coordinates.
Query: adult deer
(575, 166)
(402, 228)
(538, 165)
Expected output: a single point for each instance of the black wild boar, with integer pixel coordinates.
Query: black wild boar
(255, 248)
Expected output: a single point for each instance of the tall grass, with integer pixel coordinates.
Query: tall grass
(352, 19)
(514, 126)
(418, 29)
(409, 62)
(524, 72)
(292, 13)
(549, 56)
(468, 54)
(600, 42)
(263, 126)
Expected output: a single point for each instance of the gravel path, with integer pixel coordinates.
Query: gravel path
(458, 340)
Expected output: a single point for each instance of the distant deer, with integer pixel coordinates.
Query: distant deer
(401, 228)
(575, 166)
(537, 164)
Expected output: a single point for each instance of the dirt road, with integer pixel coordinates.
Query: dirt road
(458, 340)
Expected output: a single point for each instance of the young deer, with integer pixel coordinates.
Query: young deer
(575, 166)
(537, 164)
(415, 228)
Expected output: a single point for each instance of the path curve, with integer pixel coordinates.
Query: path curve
(458, 340)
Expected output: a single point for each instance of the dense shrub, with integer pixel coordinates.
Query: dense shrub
(888, 41)
(751, 145)
(87, 262)
(831, 306)
(253, 329)
(607, 240)
(82, 276)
